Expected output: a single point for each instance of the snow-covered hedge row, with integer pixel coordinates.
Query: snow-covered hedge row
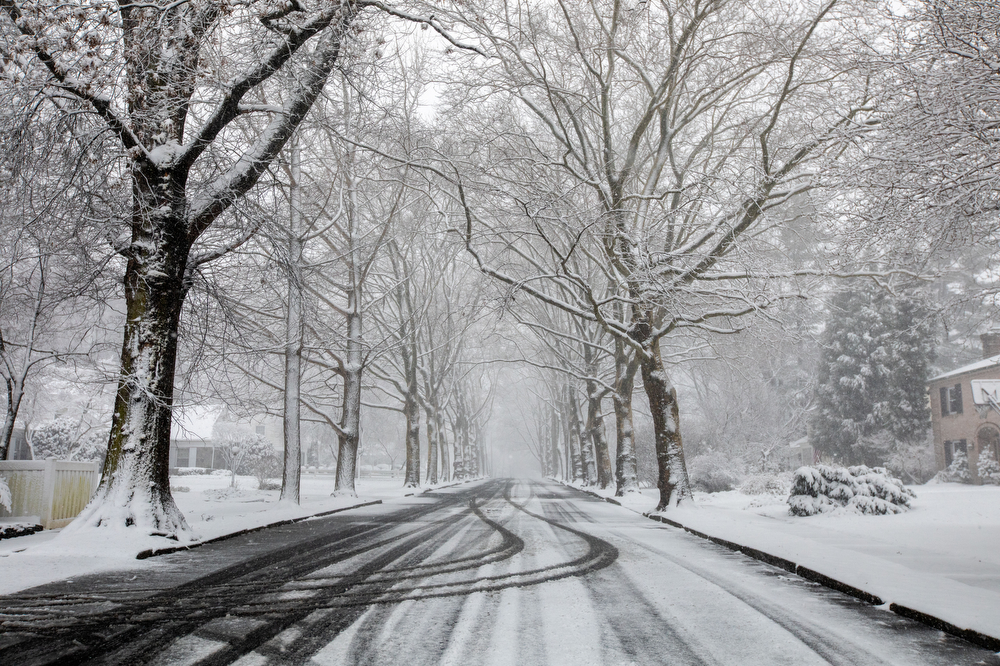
(862, 489)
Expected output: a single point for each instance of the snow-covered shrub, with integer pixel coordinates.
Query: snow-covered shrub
(61, 439)
(191, 471)
(249, 454)
(765, 484)
(92, 448)
(714, 472)
(866, 490)
(957, 471)
(54, 440)
(988, 467)
(6, 500)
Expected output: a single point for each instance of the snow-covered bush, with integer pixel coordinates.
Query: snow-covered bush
(988, 467)
(6, 500)
(957, 471)
(54, 440)
(191, 471)
(249, 454)
(867, 490)
(61, 439)
(765, 484)
(92, 448)
(714, 472)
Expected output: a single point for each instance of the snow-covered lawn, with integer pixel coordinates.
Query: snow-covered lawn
(942, 557)
(211, 507)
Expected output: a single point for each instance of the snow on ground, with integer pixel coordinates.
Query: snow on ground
(942, 557)
(211, 507)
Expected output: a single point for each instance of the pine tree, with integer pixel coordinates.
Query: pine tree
(987, 466)
(871, 376)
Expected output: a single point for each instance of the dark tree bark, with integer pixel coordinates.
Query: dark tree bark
(672, 478)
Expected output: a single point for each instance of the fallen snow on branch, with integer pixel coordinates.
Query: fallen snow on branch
(859, 489)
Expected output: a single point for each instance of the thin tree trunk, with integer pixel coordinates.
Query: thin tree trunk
(556, 456)
(15, 393)
(446, 465)
(350, 421)
(432, 447)
(582, 458)
(626, 465)
(292, 468)
(411, 408)
(596, 437)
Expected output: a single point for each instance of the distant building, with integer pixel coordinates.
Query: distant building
(196, 433)
(795, 455)
(957, 423)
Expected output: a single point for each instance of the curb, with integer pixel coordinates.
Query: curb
(154, 552)
(974, 637)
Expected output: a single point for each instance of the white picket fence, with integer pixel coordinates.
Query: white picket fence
(49, 492)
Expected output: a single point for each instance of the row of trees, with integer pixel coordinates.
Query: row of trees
(312, 205)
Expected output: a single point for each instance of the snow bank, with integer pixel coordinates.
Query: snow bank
(211, 508)
(939, 558)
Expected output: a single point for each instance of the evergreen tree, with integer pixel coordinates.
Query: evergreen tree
(871, 377)
(987, 467)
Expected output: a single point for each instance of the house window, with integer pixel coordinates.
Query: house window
(260, 430)
(951, 400)
(951, 446)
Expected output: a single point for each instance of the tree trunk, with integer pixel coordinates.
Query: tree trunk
(582, 454)
(135, 486)
(554, 442)
(15, 393)
(292, 469)
(442, 438)
(626, 465)
(672, 479)
(595, 435)
(412, 410)
(350, 420)
(432, 447)
(571, 436)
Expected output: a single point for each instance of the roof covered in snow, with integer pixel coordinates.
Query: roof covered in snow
(972, 367)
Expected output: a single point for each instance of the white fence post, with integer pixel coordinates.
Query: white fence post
(48, 484)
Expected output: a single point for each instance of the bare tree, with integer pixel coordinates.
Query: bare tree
(52, 271)
(142, 75)
(677, 128)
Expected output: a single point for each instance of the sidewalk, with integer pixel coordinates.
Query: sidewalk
(212, 510)
(939, 562)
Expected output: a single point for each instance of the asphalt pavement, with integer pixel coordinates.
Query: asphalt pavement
(495, 572)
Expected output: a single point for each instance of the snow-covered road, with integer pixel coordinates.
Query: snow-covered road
(498, 572)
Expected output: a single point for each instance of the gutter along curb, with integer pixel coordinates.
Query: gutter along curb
(154, 552)
(974, 637)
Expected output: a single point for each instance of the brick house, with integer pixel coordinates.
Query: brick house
(956, 422)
